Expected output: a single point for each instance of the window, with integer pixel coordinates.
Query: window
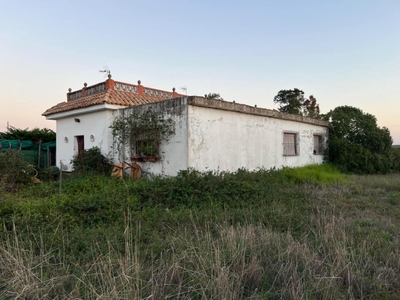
(290, 144)
(318, 144)
(147, 146)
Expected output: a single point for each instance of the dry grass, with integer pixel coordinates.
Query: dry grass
(348, 247)
(244, 262)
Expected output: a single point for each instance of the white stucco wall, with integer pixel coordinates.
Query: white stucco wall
(94, 124)
(204, 138)
(227, 140)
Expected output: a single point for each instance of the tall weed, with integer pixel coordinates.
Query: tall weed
(317, 174)
(242, 235)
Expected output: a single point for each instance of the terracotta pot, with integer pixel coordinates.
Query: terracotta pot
(137, 158)
(150, 158)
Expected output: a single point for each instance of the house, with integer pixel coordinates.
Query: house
(83, 121)
(208, 134)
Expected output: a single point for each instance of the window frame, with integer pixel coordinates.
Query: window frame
(321, 148)
(289, 150)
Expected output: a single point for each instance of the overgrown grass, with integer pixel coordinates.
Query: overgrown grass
(324, 174)
(243, 235)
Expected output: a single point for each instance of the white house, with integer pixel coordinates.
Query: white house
(208, 134)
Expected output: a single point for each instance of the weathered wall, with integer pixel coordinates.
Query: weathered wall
(91, 124)
(209, 135)
(173, 153)
(228, 139)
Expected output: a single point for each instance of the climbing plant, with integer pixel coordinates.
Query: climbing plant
(142, 131)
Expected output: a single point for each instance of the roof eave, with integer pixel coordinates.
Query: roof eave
(83, 110)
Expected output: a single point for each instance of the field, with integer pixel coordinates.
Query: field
(308, 233)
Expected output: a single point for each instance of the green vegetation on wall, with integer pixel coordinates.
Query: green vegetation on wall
(142, 132)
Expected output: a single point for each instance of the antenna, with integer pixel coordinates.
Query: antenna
(106, 70)
(184, 89)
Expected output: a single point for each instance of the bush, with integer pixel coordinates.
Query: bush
(357, 144)
(91, 160)
(14, 170)
(49, 173)
(396, 160)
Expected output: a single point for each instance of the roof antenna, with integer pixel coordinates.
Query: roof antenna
(184, 89)
(107, 71)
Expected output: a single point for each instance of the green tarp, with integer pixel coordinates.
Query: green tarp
(49, 144)
(16, 144)
(30, 150)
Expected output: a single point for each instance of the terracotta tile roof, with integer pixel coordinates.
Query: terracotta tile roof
(111, 96)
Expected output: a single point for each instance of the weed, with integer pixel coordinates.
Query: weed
(317, 174)
(241, 235)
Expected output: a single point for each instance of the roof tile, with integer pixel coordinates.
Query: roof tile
(109, 96)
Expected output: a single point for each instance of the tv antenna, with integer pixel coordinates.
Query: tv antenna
(184, 89)
(107, 71)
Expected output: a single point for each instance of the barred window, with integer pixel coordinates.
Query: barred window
(290, 144)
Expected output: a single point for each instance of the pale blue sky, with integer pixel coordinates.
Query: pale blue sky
(342, 52)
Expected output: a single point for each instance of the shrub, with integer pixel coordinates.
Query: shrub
(356, 143)
(91, 160)
(14, 170)
(49, 173)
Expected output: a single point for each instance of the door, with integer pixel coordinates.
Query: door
(80, 144)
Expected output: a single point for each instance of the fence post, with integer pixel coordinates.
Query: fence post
(40, 146)
(60, 186)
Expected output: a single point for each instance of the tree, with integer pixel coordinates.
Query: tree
(311, 108)
(213, 96)
(36, 134)
(356, 143)
(290, 101)
(294, 102)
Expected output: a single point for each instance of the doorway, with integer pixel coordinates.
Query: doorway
(80, 144)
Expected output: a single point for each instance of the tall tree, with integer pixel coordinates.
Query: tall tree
(290, 101)
(311, 108)
(213, 96)
(294, 102)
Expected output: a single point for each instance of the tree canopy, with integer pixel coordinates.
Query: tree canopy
(213, 96)
(36, 134)
(294, 102)
(356, 143)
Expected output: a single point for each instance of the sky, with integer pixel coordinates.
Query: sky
(343, 52)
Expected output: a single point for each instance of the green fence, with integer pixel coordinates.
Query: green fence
(39, 154)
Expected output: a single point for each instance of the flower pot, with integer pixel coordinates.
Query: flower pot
(150, 158)
(137, 158)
